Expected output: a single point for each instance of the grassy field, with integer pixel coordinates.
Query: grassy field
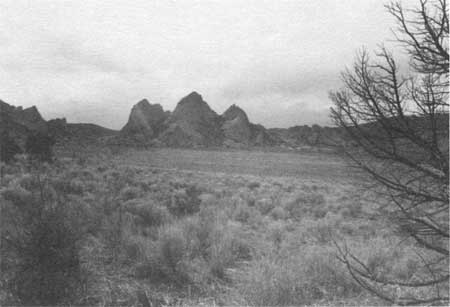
(192, 227)
(321, 166)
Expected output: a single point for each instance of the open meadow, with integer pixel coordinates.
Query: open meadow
(190, 227)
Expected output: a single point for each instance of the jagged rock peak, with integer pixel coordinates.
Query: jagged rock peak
(193, 99)
(193, 96)
(193, 107)
(144, 103)
(32, 114)
(234, 111)
(145, 118)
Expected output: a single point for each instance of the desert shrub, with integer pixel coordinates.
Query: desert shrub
(385, 257)
(169, 258)
(253, 185)
(256, 219)
(172, 247)
(227, 247)
(251, 200)
(276, 233)
(301, 278)
(352, 210)
(28, 182)
(82, 174)
(319, 212)
(185, 201)
(166, 262)
(111, 231)
(242, 212)
(67, 186)
(130, 192)
(322, 230)
(265, 205)
(19, 196)
(147, 212)
(132, 250)
(306, 204)
(220, 241)
(8, 148)
(207, 199)
(278, 213)
(199, 249)
(40, 247)
(39, 147)
(313, 198)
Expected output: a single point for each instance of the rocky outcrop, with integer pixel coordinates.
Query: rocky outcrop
(17, 123)
(193, 123)
(145, 119)
(236, 126)
(29, 118)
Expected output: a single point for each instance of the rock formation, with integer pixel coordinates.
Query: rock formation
(145, 119)
(193, 123)
(18, 123)
(236, 126)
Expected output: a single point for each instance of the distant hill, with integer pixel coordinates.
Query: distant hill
(192, 124)
(316, 135)
(18, 124)
(80, 133)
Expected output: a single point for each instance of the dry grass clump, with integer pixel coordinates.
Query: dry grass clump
(147, 213)
(278, 213)
(194, 250)
(306, 204)
(185, 200)
(312, 275)
(130, 192)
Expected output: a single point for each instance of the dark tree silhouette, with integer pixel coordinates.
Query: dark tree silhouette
(398, 127)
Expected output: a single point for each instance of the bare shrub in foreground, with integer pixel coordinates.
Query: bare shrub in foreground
(40, 238)
(398, 127)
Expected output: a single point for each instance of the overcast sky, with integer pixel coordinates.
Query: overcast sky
(90, 61)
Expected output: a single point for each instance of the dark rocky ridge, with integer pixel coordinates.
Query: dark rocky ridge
(145, 119)
(193, 124)
(78, 133)
(18, 124)
(236, 126)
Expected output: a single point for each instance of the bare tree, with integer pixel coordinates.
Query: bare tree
(398, 127)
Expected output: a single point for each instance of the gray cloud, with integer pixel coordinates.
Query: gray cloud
(91, 61)
(62, 55)
(289, 83)
(68, 55)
